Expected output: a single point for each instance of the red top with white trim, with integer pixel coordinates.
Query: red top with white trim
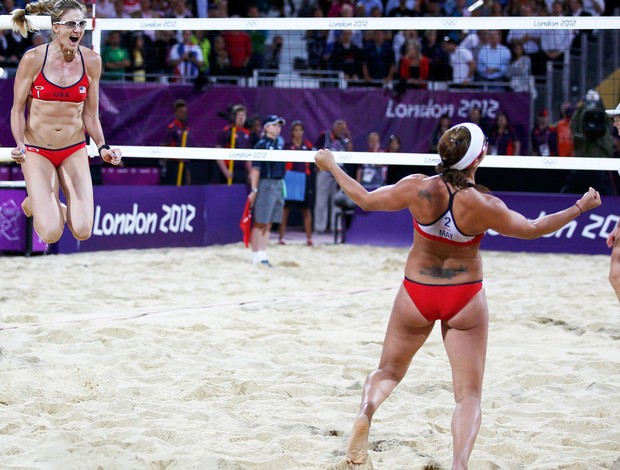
(43, 89)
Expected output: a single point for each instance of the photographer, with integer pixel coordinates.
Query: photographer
(592, 138)
(186, 59)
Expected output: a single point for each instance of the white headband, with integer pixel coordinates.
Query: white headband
(475, 146)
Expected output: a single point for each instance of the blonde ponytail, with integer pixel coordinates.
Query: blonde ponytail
(54, 8)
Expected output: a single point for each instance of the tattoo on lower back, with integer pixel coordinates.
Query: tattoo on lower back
(443, 273)
(424, 194)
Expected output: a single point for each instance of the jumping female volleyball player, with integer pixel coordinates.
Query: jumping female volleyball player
(58, 84)
(443, 276)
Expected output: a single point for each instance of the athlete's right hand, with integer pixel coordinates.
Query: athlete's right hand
(590, 200)
(19, 154)
(324, 158)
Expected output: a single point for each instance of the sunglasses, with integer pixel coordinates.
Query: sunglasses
(72, 24)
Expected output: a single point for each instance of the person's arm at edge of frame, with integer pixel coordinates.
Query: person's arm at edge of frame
(21, 90)
(497, 216)
(613, 236)
(90, 114)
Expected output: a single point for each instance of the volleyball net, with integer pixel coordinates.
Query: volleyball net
(307, 73)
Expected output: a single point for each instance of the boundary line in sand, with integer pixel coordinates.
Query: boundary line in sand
(131, 315)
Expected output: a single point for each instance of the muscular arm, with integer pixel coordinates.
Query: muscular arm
(26, 71)
(386, 198)
(496, 216)
(90, 115)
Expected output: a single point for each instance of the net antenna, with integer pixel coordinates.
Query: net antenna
(102, 25)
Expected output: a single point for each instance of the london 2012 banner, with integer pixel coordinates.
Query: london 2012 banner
(138, 114)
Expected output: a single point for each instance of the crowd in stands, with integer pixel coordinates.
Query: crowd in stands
(398, 59)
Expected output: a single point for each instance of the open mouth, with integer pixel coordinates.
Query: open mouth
(74, 39)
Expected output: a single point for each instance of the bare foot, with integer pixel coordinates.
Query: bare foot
(26, 207)
(357, 450)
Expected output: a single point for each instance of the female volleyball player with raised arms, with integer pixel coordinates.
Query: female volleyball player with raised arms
(443, 277)
(58, 85)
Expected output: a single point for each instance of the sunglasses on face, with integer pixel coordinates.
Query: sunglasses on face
(72, 24)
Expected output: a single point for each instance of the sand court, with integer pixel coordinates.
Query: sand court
(192, 358)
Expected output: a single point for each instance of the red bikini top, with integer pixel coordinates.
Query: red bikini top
(43, 89)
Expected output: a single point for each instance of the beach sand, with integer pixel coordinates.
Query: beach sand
(192, 358)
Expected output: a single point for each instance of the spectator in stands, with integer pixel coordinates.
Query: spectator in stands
(145, 11)
(138, 58)
(38, 39)
(132, 6)
(219, 61)
(442, 126)
(400, 8)
(266, 195)
(176, 172)
(459, 10)
(336, 8)
(164, 40)
(554, 43)
(400, 39)
(4, 54)
(259, 38)
(119, 9)
(414, 67)
(273, 53)
(338, 139)
(503, 139)
(239, 47)
(357, 36)
(475, 116)
(440, 69)
(186, 59)
(346, 57)
(16, 45)
(434, 9)
(200, 38)
(565, 136)
(529, 39)
(576, 9)
(595, 7)
(462, 63)
(316, 45)
(300, 184)
(493, 59)
(369, 6)
(234, 136)
(378, 60)
(520, 72)
(179, 9)
(544, 137)
(115, 58)
(370, 175)
(105, 9)
(473, 41)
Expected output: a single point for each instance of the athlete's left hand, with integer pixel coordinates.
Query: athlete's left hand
(112, 156)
